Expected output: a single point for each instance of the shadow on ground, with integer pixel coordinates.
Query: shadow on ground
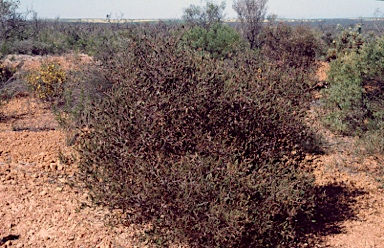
(9, 238)
(334, 205)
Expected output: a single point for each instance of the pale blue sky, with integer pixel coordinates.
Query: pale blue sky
(160, 9)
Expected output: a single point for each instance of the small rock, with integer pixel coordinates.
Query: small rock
(19, 245)
(42, 193)
(53, 166)
(59, 189)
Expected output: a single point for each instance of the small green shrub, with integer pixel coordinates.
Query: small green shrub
(345, 96)
(206, 151)
(355, 94)
(219, 40)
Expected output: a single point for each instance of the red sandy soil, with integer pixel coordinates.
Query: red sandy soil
(41, 207)
(38, 206)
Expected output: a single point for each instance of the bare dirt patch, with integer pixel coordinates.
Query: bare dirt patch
(355, 218)
(39, 207)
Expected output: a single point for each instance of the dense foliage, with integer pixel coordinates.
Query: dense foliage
(348, 40)
(48, 82)
(355, 96)
(297, 47)
(219, 40)
(206, 150)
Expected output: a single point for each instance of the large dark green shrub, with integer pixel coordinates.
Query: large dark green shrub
(206, 151)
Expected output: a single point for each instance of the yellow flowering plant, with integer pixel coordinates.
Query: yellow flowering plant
(48, 81)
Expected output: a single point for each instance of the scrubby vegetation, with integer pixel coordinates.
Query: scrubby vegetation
(220, 41)
(355, 96)
(296, 47)
(185, 127)
(25, 33)
(207, 150)
(6, 72)
(48, 82)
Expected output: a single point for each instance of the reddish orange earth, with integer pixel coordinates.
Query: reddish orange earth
(39, 205)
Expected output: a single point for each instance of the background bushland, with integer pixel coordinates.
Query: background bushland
(292, 46)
